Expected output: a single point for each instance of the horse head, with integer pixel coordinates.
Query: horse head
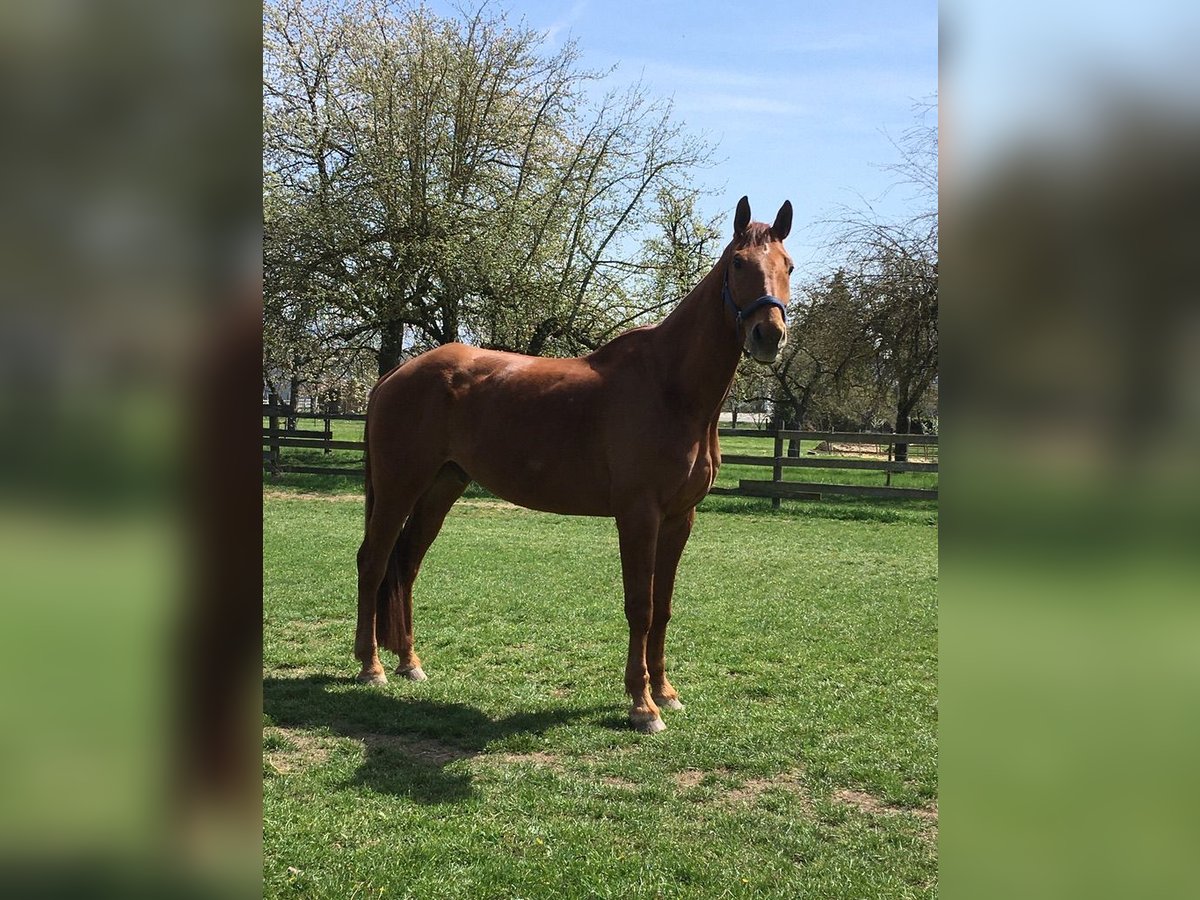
(757, 281)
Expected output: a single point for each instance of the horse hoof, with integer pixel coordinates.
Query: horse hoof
(668, 703)
(412, 673)
(647, 724)
(371, 678)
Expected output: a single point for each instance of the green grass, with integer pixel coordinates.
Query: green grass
(804, 645)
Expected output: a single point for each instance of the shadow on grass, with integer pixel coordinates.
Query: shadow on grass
(409, 741)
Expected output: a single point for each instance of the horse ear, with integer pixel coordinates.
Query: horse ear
(783, 221)
(742, 217)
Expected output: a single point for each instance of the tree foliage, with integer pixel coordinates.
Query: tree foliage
(864, 340)
(434, 179)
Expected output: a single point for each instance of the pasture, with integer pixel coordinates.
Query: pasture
(804, 645)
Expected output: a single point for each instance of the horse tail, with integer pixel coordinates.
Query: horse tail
(388, 612)
(388, 604)
(370, 490)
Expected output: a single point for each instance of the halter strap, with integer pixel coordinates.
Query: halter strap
(740, 314)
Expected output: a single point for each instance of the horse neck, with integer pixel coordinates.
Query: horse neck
(699, 347)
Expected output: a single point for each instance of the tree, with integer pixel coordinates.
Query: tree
(443, 179)
(306, 344)
(826, 349)
(672, 259)
(684, 248)
(894, 267)
(895, 274)
(903, 321)
(819, 378)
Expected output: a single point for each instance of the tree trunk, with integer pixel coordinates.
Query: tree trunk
(903, 426)
(544, 331)
(391, 341)
(801, 410)
(450, 312)
(293, 402)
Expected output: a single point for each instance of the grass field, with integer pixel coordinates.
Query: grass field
(804, 646)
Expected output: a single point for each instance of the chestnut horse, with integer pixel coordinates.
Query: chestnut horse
(629, 431)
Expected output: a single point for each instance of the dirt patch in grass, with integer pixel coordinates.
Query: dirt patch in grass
(485, 503)
(916, 452)
(536, 757)
(469, 502)
(310, 495)
(554, 763)
(689, 778)
(745, 793)
(321, 625)
(291, 670)
(425, 750)
(753, 788)
(299, 751)
(864, 802)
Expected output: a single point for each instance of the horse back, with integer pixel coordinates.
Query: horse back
(531, 430)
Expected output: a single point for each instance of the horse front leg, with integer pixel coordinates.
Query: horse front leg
(672, 537)
(638, 534)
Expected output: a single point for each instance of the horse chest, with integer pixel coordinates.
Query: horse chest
(698, 481)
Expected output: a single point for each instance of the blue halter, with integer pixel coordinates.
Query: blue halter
(741, 314)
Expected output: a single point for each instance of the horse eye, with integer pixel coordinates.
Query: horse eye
(737, 263)
(791, 269)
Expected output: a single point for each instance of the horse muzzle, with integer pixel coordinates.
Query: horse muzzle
(764, 342)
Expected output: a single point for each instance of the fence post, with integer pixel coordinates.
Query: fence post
(776, 465)
(328, 430)
(274, 426)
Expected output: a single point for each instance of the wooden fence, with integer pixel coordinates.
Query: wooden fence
(276, 438)
(776, 487)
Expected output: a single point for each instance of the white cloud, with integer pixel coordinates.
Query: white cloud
(564, 23)
(741, 103)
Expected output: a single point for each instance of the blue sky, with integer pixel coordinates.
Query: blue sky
(799, 97)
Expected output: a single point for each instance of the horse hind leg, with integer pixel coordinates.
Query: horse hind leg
(379, 540)
(393, 492)
(418, 535)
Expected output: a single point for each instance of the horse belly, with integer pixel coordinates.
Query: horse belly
(550, 460)
(547, 490)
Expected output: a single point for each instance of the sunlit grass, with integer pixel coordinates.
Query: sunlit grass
(804, 645)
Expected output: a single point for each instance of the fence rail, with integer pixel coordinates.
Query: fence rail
(804, 462)
(777, 488)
